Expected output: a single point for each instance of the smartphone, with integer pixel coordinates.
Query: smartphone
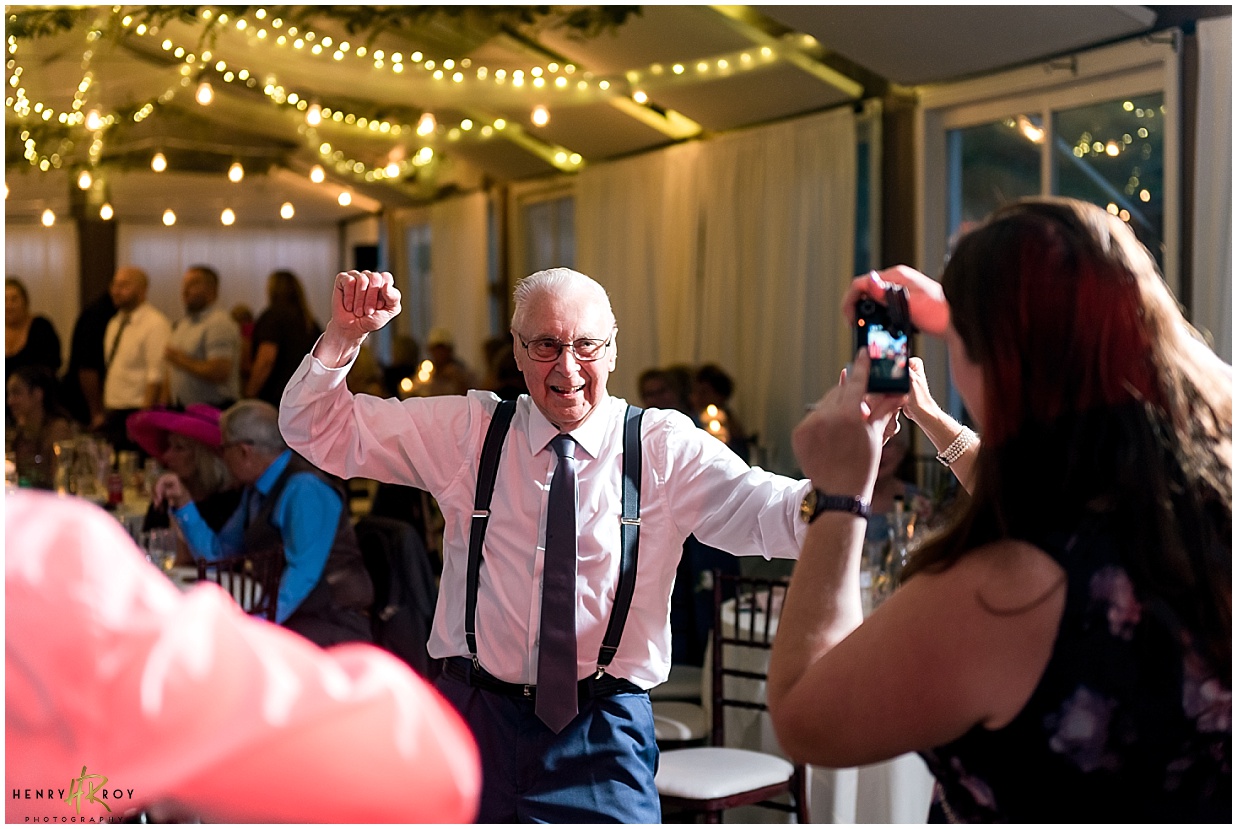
(887, 345)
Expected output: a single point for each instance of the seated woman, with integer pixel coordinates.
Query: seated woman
(39, 421)
(188, 443)
(1062, 650)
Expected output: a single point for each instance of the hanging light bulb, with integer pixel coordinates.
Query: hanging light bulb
(541, 115)
(640, 97)
(427, 124)
(49, 218)
(106, 212)
(345, 199)
(392, 170)
(236, 172)
(227, 217)
(84, 180)
(313, 115)
(93, 120)
(169, 218)
(159, 163)
(286, 210)
(316, 174)
(205, 93)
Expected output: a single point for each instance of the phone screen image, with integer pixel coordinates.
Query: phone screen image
(888, 348)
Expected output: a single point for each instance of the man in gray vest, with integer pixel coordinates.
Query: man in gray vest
(550, 642)
(325, 591)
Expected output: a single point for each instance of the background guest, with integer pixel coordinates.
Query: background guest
(283, 334)
(187, 444)
(242, 315)
(39, 421)
(29, 339)
(712, 386)
(451, 375)
(134, 347)
(194, 711)
(325, 591)
(203, 354)
(82, 383)
(1063, 650)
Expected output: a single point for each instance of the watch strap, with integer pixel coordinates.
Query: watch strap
(839, 503)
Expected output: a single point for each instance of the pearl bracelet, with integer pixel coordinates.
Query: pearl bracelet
(964, 441)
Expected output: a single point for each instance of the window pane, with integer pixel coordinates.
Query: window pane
(992, 164)
(1112, 154)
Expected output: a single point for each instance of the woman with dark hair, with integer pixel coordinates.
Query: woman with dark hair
(29, 339)
(39, 422)
(282, 336)
(1063, 650)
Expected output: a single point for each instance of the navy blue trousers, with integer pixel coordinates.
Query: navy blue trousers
(599, 769)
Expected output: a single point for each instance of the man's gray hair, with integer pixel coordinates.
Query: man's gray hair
(555, 282)
(255, 422)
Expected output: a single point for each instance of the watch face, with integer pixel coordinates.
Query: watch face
(808, 508)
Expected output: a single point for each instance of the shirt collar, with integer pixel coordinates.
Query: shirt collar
(268, 478)
(590, 436)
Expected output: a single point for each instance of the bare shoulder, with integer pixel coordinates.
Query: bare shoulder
(1010, 576)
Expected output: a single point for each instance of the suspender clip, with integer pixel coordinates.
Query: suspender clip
(633, 521)
(476, 663)
(601, 671)
(481, 513)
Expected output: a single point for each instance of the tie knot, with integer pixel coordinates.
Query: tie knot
(564, 446)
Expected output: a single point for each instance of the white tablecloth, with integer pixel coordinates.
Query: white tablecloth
(895, 791)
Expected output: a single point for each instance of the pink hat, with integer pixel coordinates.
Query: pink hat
(150, 428)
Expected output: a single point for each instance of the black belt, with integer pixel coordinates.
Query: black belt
(461, 668)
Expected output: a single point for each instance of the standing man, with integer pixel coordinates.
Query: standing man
(587, 753)
(203, 355)
(133, 349)
(325, 591)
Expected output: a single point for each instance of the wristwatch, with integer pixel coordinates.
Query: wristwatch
(817, 502)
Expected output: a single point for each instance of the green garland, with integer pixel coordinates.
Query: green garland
(578, 21)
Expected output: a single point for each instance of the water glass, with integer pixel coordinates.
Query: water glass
(160, 547)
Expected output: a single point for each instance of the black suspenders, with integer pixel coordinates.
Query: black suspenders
(629, 527)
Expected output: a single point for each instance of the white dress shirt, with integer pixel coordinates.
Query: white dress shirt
(138, 359)
(692, 483)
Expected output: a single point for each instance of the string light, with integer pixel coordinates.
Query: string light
(106, 212)
(49, 218)
(205, 94)
(317, 175)
(159, 163)
(345, 198)
(541, 116)
(169, 218)
(84, 180)
(313, 115)
(227, 217)
(236, 172)
(427, 124)
(286, 210)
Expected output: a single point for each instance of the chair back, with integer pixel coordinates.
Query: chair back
(252, 579)
(405, 589)
(745, 612)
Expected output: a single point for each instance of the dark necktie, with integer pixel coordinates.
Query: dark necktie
(120, 331)
(556, 656)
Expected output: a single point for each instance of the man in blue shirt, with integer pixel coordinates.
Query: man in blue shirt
(325, 591)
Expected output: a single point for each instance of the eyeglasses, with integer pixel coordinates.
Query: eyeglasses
(548, 349)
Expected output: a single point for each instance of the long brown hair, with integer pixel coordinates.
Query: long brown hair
(1097, 401)
(284, 290)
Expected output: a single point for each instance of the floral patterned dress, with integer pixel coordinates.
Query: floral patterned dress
(1128, 723)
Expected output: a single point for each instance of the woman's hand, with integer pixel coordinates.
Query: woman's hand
(170, 490)
(920, 406)
(838, 445)
(929, 310)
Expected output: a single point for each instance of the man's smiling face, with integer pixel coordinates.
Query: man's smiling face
(567, 390)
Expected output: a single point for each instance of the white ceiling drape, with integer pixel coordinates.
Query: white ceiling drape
(735, 251)
(45, 260)
(459, 287)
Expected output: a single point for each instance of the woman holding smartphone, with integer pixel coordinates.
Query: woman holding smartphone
(1063, 651)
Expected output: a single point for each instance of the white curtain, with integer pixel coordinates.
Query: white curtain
(45, 260)
(734, 251)
(459, 284)
(778, 252)
(244, 258)
(1213, 203)
(636, 224)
